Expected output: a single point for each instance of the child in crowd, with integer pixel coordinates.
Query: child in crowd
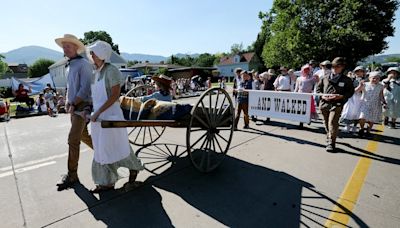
(49, 98)
(41, 103)
(60, 104)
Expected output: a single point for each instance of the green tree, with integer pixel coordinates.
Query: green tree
(39, 68)
(162, 71)
(219, 56)
(299, 30)
(184, 61)
(131, 63)
(3, 68)
(92, 36)
(205, 60)
(237, 48)
(393, 59)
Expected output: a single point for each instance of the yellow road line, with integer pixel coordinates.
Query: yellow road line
(349, 196)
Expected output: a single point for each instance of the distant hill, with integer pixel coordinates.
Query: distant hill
(143, 57)
(379, 58)
(180, 55)
(30, 54)
(152, 58)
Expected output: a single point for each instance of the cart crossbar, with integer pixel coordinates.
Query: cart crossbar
(140, 123)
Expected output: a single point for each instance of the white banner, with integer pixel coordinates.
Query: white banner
(280, 105)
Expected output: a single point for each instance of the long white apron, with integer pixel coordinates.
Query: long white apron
(110, 144)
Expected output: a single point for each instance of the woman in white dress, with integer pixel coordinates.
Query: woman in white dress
(111, 145)
(351, 110)
(392, 96)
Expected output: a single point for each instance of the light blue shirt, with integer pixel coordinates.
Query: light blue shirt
(158, 96)
(79, 76)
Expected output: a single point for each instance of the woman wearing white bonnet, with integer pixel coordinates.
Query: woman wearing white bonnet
(392, 96)
(111, 145)
(371, 103)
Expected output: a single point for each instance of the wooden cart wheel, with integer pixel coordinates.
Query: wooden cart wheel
(144, 136)
(210, 130)
(157, 158)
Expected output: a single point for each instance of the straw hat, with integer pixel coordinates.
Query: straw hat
(375, 74)
(271, 72)
(238, 70)
(283, 68)
(162, 79)
(326, 62)
(71, 39)
(359, 68)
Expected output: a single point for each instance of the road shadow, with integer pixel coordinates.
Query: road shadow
(292, 126)
(366, 154)
(241, 194)
(141, 207)
(236, 194)
(359, 152)
(386, 139)
(284, 137)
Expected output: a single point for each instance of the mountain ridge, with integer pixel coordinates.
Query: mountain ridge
(30, 54)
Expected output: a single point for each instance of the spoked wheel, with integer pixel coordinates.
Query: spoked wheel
(210, 130)
(157, 158)
(144, 136)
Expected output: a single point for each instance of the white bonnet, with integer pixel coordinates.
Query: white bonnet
(102, 50)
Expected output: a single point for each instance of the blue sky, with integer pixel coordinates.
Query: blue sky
(158, 27)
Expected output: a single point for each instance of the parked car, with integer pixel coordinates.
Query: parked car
(126, 72)
(128, 75)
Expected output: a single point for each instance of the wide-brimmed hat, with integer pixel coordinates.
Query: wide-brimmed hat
(375, 74)
(102, 50)
(326, 63)
(283, 68)
(162, 79)
(71, 39)
(238, 70)
(339, 61)
(312, 61)
(393, 69)
(358, 68)
(271, 72)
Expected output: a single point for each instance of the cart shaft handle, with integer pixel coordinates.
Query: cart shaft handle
(139, 123)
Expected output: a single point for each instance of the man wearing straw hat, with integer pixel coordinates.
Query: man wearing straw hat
(79, 72)
(336, 89)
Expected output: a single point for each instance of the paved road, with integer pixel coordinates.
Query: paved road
(275, 176)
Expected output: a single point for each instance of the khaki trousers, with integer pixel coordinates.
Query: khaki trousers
(245, 108)
(331, 121)
(77, 133)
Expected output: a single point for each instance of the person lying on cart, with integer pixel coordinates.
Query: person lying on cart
(163, 89)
